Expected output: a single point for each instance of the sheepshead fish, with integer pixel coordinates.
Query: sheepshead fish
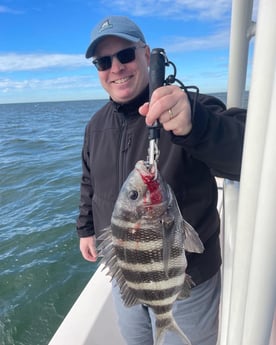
(144, 248)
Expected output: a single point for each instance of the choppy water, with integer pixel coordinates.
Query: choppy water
(41, 269)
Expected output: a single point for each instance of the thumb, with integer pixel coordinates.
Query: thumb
(143, 110)
(94, 251)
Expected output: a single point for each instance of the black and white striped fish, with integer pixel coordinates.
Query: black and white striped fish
(144, 248)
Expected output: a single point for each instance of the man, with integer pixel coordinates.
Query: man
(192, 150)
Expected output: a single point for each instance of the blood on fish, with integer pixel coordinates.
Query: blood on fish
(153, 188)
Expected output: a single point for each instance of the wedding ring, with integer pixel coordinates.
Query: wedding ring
(171, 113)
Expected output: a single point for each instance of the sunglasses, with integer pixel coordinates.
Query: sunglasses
(124, 56)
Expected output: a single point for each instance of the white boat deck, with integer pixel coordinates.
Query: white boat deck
(92, 319)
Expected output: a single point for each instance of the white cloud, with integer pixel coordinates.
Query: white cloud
(7, 85)
(58, 88)
(181, 9)
(181, 44)
(26, 62)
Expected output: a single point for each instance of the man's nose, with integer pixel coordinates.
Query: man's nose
(116, 65)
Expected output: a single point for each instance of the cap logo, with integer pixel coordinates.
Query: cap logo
(105, 25)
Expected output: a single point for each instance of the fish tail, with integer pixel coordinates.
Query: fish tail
(159, 337)
(170, 326)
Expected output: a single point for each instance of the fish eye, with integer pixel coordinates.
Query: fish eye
(133, 194)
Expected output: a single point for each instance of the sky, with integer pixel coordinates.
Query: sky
(43, 44)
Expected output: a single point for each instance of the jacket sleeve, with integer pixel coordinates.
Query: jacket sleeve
(85, 225)
(217, 137)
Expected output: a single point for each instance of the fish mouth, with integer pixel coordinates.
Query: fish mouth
(145, 170)
(149, 174)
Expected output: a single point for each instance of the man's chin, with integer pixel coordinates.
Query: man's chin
(123, 97)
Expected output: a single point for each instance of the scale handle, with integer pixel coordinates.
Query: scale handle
(156, 79)
(156, 69)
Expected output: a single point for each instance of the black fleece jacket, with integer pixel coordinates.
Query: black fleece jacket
(116, 137)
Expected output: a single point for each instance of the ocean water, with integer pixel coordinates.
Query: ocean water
(41, 269)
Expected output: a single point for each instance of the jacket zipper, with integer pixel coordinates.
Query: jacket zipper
(121, 160)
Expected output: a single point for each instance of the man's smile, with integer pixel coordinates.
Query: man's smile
(122, 80)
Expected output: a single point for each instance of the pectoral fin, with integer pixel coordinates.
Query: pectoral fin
(192, 242)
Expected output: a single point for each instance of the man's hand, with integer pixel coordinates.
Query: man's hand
(88, 248)
(170, 105)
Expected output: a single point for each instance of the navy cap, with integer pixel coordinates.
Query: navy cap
(115, 26)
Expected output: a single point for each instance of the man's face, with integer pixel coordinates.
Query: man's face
(123, 82)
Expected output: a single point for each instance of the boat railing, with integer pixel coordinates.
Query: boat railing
(249, 241)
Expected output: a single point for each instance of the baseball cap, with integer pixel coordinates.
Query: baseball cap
(119, 26)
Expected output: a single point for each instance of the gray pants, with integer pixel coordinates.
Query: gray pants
(197, 316)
